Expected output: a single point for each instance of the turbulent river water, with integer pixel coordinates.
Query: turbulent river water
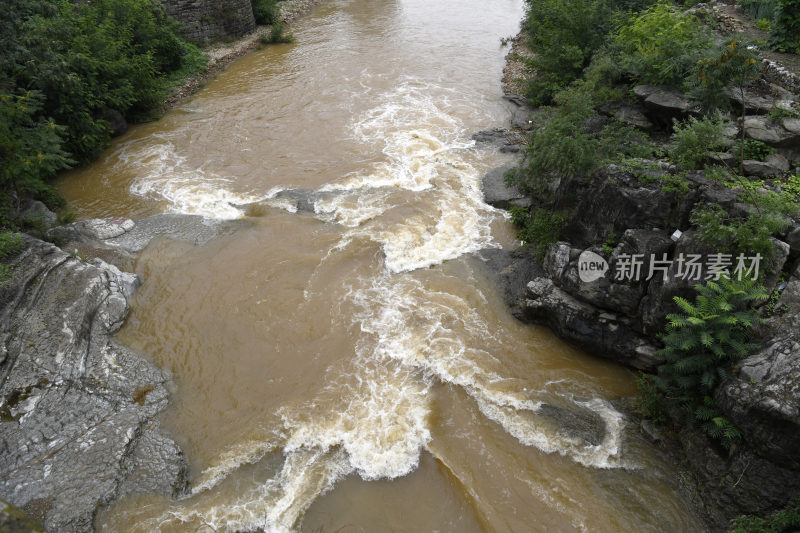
(353, 369)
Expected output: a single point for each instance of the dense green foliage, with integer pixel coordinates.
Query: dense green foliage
(785, 521)
(537, 228)
(749, 234)
(694, 139)
(30, 149)
(64, 65)
(734, 64)
(561, 147)
(662, 45)
(10, 243)
(564, 35)
(785, 30)
(268, 12)
(758, 9)
(700, 344)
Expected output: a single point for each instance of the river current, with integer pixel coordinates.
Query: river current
(353, 368)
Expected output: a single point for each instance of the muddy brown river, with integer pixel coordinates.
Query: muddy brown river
(353, 368)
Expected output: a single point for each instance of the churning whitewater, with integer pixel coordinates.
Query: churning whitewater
(372, 417)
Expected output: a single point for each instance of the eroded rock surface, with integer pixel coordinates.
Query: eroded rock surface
(78, 423)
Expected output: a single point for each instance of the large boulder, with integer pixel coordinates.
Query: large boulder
(664, 103)
(78, 412)
(784, 132)
(599, 332)
(614, 200)
(761, 99)
(498, 194)
(763, 397)
(510, 271)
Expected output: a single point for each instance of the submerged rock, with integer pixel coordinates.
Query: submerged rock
(77, 410)
(129, 238)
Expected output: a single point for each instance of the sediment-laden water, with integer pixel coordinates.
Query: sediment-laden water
(352, 368)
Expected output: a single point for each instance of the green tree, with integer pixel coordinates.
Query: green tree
(700, 344)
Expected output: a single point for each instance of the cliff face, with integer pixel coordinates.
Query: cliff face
(209, 20)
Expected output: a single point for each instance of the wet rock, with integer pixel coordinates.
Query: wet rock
(522, 115)
(594, 330)
(736, 482)
(128, 238)
(511, 271)
(106, 228)
(664, 102)
(506, 141)
(793, 239)
(778, 161)
(616, 291)
(723, 158)
(498, 194)
(784, 133)
(303, 199)
(75, 407)
(774, 165)
(680, 279)
(577, 423)
(614, 200)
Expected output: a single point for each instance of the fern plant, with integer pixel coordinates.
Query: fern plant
(700, 345)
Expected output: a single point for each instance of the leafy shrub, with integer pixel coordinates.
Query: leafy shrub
(563, 34)
(537, 227)
(266, 11)
(733, 64)
(560, 147)
(784, 521)
(10, 243)
(700, 344)
(785, 31)
(30, 149)
(777, 113)
(792, 186)
(756, 150)
(64, 64)
(693, 140)
(758, 9)
(750, 234)
(661, 45)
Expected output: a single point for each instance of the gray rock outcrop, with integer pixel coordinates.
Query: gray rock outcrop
(498, 194)
(78, 424)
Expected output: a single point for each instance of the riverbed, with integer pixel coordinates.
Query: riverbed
(353, 368)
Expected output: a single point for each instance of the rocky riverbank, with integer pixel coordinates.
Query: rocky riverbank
(78, 411)
(223, 54)
(623, 212)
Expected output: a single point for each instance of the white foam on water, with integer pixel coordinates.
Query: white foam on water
(414, 326)
(377, 413)
(372, 416)
(424, 146)
(164, 174)
(242, 453)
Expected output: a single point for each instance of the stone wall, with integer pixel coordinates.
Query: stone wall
(210, 20)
